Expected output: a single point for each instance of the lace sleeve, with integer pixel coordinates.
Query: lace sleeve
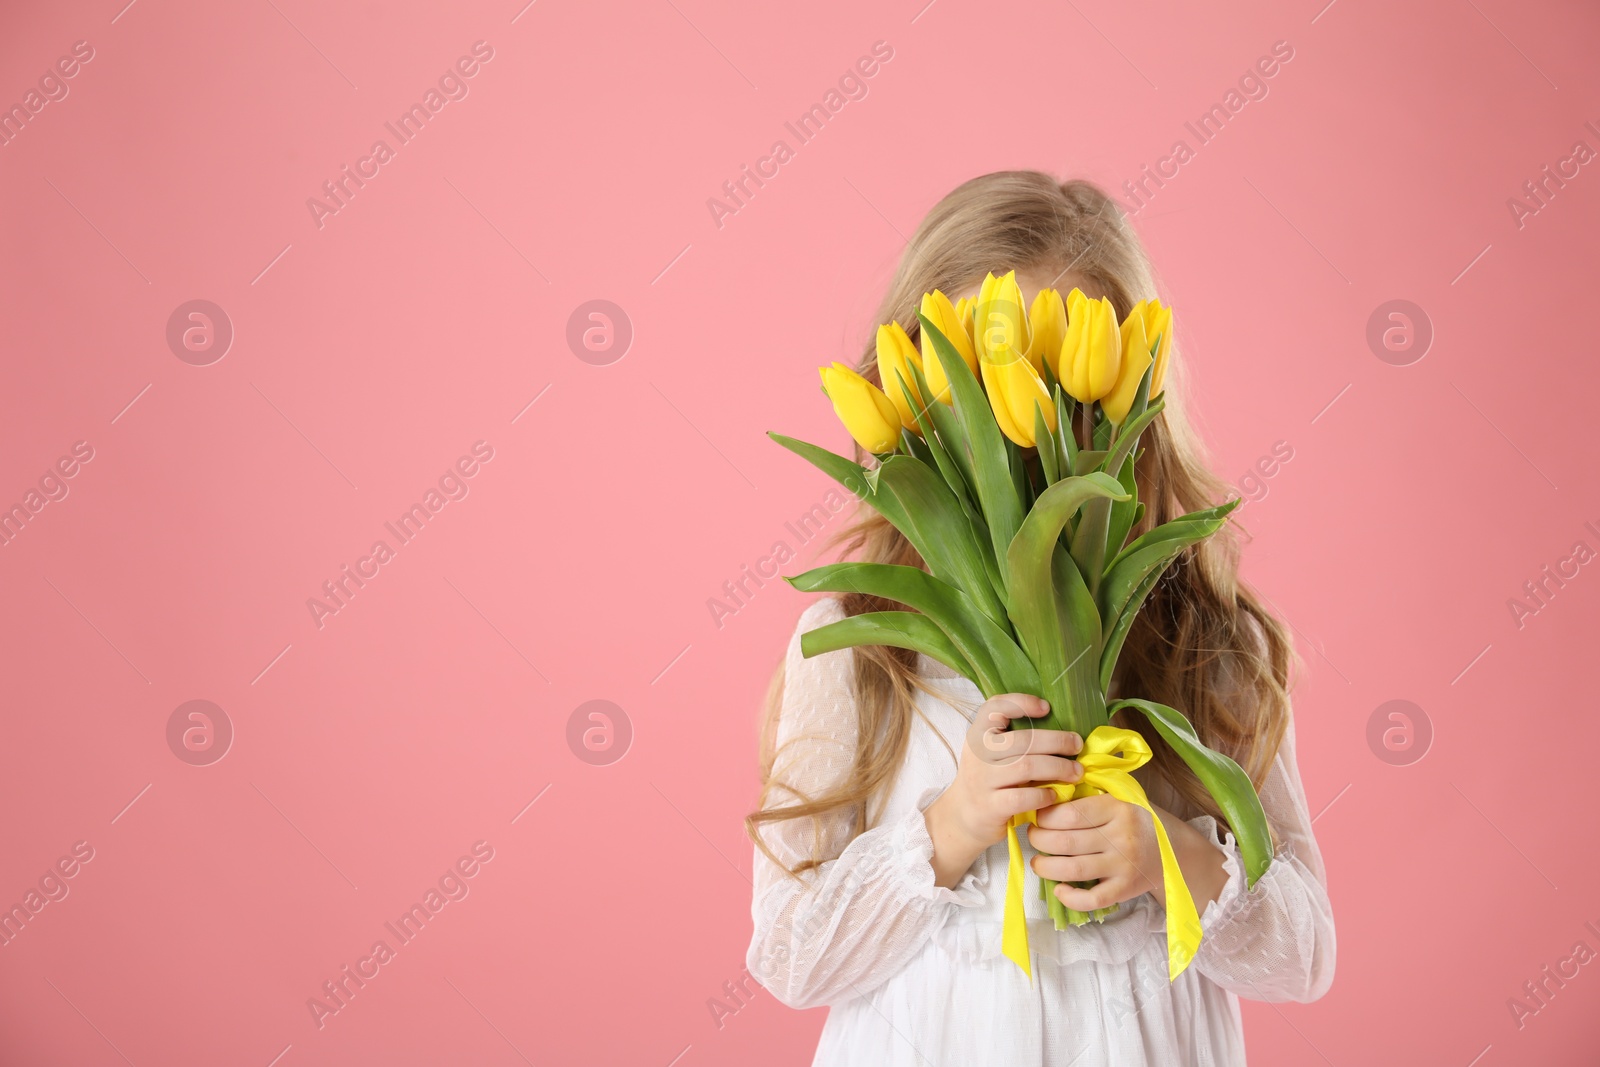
(845, 927)
(1276, 941)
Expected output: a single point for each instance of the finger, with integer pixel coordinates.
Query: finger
(1050, 742)
(991, 741)
(1039, 768)
(990, 736)
(1075, 868)
(1015, 706)
(995, 744)
(1067, 842)
(1013, 802)
(1082, 813)
(1102, 895)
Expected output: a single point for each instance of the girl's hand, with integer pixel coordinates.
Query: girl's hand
(994, 781)
(1101, 837)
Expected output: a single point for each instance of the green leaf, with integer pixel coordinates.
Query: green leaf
(1066, 411)
(1171, 529)
(1124, 513)
(1128, 438)
(1116, 629)
(947, 442)
(991, 566)
(997, 493)
(914, 446)
(1051, 609)
(1102, 428)
(937, 454)
(1095, 537)
(847, 472)
(921, 506)
(1224, 779)
(1088, 461)
(900, 629)
(1141, 401)
(1001, 665)
(1089, 539)
(954, 439)
(1135, 571)
(1019, 473)
(910, 495)
(1045, 441)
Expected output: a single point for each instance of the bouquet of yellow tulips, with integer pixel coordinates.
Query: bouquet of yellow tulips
(1032, 582)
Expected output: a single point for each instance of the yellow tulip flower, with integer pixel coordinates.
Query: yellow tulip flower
(1015, 391)
(1000, 323)
(964, 308)
(1158, 324)
(896, 356)
(1136, 359)
(866, 412)
(1158, 332)
(1047, 321)
(936, 306)
(1091, 353)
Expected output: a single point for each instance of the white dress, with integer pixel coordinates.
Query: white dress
(912, 973)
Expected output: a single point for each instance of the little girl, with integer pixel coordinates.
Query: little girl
(881, 858)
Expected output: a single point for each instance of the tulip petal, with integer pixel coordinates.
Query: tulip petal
(865, 410)
(1159, 329)
(1001, 320)
(896, 356)
(1105, 349)
(1016, 392)
(994, 385)
(1047, 322)
(949, 320)
(938, 382)
(1134, 363)
(964, 308)
(1072, 362)
(936, 306)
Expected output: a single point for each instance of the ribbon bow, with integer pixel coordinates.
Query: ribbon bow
(1109, 754)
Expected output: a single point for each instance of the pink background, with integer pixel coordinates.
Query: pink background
(372, 352)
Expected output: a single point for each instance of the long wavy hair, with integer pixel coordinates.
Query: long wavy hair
(1203, 642)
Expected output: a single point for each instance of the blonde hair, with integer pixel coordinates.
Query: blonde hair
(1203, 643)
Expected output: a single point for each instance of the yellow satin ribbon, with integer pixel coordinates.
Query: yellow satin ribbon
(1109, 754)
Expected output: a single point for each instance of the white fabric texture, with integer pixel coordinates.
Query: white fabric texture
(912, 973)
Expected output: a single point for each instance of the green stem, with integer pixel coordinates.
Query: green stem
(1058, 911)
(1084, 707)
